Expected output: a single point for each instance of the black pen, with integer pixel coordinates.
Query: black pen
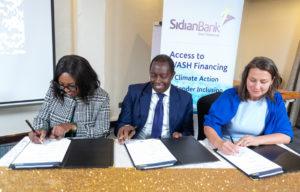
(29, 124)
(232, 141)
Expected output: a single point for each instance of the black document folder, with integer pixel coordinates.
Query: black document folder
(186, 150)
(82, 153)
(286, 160)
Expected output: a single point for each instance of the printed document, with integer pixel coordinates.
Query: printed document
(148, 152)
(252, 163)
(51, 151)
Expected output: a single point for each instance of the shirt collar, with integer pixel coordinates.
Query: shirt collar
(167, 92)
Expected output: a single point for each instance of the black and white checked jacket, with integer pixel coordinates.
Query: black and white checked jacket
(92, 119)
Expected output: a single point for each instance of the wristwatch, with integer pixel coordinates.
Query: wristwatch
(74, 127)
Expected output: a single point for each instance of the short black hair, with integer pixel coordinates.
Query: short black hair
(80, 69)
(163, 58)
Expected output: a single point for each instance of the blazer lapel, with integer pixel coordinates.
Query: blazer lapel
(174, 108)
(145, 104)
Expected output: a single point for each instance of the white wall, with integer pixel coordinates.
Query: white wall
(128, 39)
(77, 23)
(117, 42)
(12, 119)
(243, 31)
(91, 25)
(65, 24)
(270, 28)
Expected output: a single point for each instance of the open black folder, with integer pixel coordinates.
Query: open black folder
(284, 159)
(81, 153)
(185, 150)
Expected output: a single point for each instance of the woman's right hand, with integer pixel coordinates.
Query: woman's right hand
(227, 147)
(34, 139)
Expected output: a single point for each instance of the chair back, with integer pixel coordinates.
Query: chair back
(203, 106)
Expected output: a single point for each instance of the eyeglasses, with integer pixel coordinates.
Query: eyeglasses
(62, 87)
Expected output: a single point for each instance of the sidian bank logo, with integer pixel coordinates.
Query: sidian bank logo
(202, 26)
(225, 16)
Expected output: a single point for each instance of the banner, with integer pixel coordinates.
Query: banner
(202, 38)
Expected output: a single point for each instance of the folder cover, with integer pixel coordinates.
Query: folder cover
(284, 159)
(188, 150)
(185, 150)
(82, 153)
(90, 153)
(289, 161)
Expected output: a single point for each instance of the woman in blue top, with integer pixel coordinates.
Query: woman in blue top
(251, 114)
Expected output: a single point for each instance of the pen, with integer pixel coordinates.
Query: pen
(29, 124)
(129, 132)
(233, 143)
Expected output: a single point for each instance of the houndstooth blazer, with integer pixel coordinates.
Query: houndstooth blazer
(92, 119)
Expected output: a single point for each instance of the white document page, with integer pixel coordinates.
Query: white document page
(149, 151)
(51, 151)
(250, 162)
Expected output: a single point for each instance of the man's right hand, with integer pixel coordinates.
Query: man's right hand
(34, 139)
(124, 131)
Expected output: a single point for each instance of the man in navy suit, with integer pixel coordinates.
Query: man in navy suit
(157, 108)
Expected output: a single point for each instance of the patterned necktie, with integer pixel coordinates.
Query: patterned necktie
(158, 117)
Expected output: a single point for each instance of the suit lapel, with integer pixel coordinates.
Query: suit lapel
(174, 108)
(145, 104)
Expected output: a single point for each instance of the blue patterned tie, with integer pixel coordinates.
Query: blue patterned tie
(158, 117)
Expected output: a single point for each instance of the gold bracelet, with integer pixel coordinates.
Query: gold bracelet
(74, 127)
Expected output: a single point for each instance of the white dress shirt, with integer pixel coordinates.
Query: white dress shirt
(147, 129)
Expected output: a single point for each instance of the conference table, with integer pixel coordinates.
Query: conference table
(214, 176)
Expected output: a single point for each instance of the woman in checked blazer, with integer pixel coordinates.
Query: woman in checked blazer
(75, 105)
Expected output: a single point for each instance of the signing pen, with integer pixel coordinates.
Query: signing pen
(129, 132)
(29, 124)
(233, 143)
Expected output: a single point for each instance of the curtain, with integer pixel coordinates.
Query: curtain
(294, 85)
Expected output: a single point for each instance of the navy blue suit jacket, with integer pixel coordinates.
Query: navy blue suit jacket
(136, 104)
